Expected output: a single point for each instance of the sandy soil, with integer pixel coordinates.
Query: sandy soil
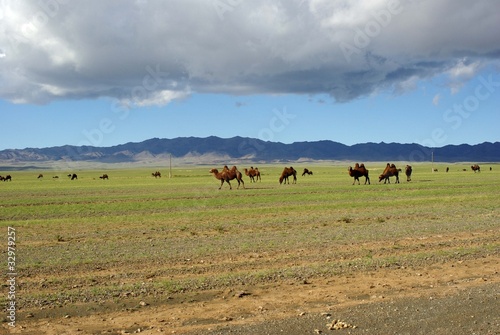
(455, 297)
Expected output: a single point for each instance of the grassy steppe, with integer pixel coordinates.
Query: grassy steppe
(114, 242)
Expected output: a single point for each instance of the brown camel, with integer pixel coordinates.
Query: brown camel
(390, 171)
(287, 172)
(253, 174)
(228, 174)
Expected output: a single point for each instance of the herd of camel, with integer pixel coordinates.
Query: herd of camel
(226, 174)
(359, 170)
(390, 171)
(73, 176)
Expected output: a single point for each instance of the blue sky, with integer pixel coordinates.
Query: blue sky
(287, 71)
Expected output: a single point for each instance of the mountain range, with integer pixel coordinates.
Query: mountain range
(209, 150)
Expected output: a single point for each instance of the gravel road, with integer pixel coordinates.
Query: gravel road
(474, 311)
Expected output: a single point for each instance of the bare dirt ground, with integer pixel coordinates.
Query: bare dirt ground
(455, 296)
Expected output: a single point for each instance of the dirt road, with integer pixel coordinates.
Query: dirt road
(456, 297)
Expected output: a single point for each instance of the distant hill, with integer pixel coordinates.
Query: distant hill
(195, 150)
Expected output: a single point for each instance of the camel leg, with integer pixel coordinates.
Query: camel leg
(221, 182)
(242, 183)
(230, 187)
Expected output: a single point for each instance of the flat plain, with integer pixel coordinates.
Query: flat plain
(177, 255)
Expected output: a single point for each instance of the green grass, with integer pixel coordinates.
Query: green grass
(184, 233)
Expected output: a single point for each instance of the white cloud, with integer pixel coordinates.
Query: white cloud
(104, 48)
(462, 72)
(156, 98)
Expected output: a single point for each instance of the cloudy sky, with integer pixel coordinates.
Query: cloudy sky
(109, 72)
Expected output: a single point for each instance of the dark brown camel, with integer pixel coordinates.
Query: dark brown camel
(156, 174)
(287, 172)
(475, 168)
(306, 171)
(408, 171)
(359, 171)
(390, 171)
(104, 176)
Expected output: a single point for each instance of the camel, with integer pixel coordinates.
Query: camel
(253, 174)
(228, 174)
(156, 174)
(40, 176)
(287, 172)
(257, 175)
(104, 176)
(390, 171)
(359, 171)
(6, 178)
(233, 173)
(408, 171)
(306, 171)
(475, 168)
